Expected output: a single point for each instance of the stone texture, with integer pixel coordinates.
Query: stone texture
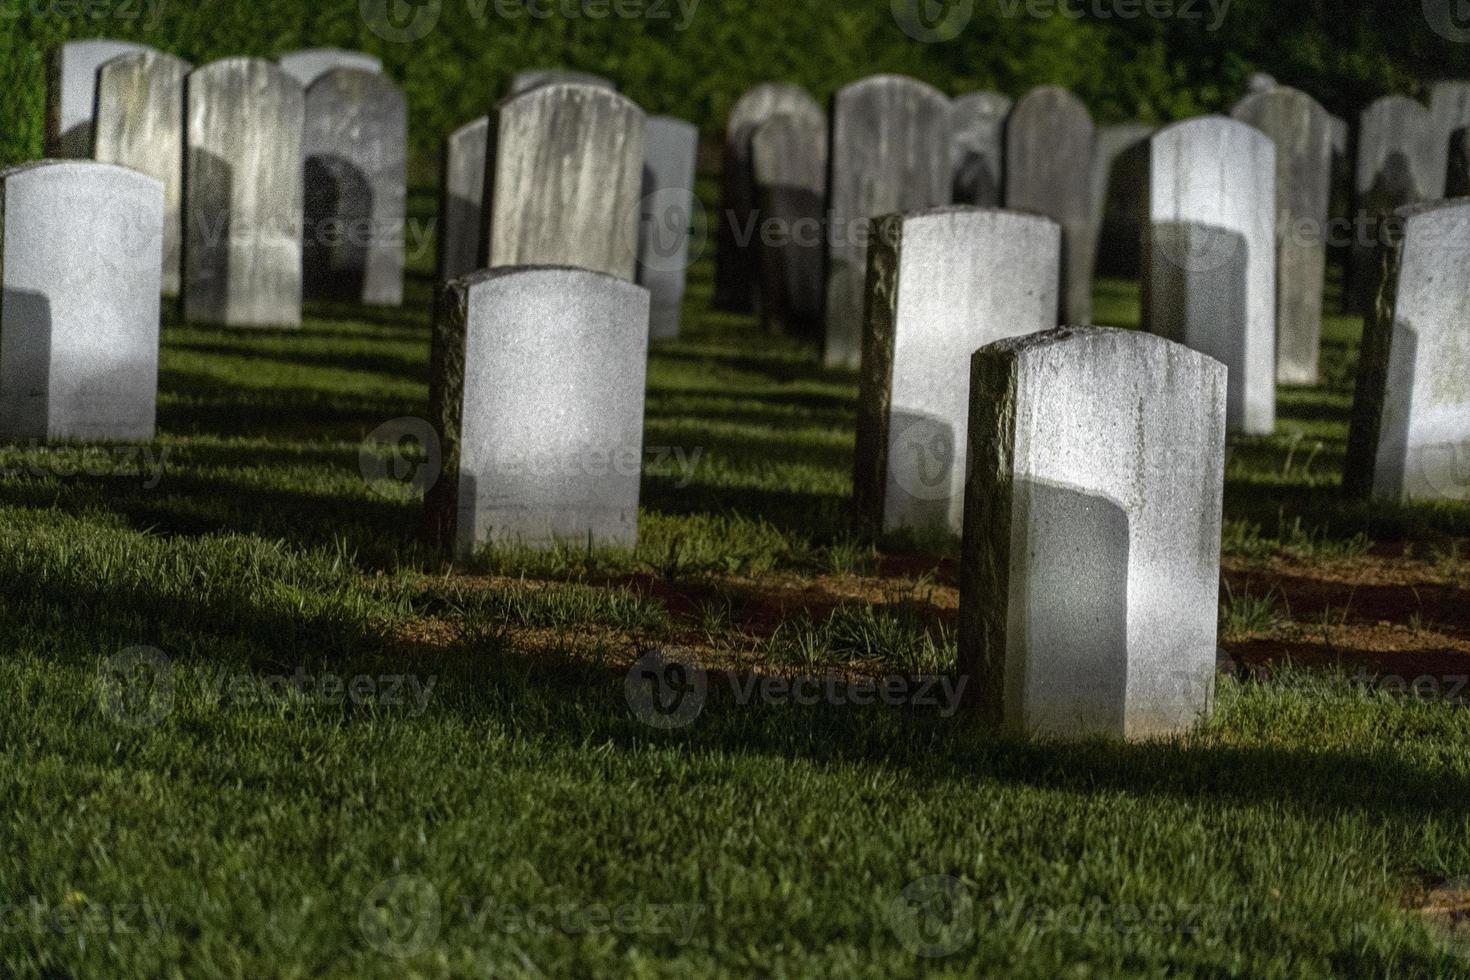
(1049, 146)
(977, 144)
(1396, 165)
(1410, 432)
(890, 153)
(309, 64)
(737, 239)
(536, 390)
(1120, 197)
(1089, 572)
(355, 178)
(81, 260)
(941, 283)
(670, 147)
(1210, 269)
(1259, 82)
(1302, 132)
(789, 161)
(565, 188)
(71, 93)
(462, 191)
(524, 81)
(242, 195)
(140, 124)
(1449, 108)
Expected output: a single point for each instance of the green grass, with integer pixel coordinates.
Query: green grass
(229, 811)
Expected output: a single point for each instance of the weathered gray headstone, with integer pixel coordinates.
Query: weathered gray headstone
(789, 160)
(80, 259)
(737, 235)
(977, 143)
(140, 124)
(669, 149)
(309, 64)
(1410, 433)
(355, 180)
(1259, 82)
(889, 153)
(462, 193)
(1049, 146)
(941, 283)
(242, 195)
(1210, 255)
(1449, 106)
(565, 187)
(1090, 568)
(524, 81)
(1398, 157)
(71, 93)
(1120, 197)
(1302, 132)
(536, 391)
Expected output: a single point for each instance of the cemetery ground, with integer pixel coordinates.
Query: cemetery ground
(480, 799)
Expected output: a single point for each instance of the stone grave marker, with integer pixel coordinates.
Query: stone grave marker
(1210, 255)
(71, 93)
(309, 64)
(536, 391)
(977, 131)
(941, 283)
(140, 124)
(1120, 197)
(565, 187)
(242, 195)
(524, 81)
(1302, 132)
(789, 160)
(1410, 432)
(1449, 107)
(462, 191)
(889, 153)
(670, 147)
(1049, 147)
(1090, 566)
(1397, 160)
(354, 177)
(81, 260)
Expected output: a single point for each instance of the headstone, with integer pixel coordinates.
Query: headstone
(1090, 567)
(1049, 146)
(355, 180)
(669, 149)
(737, 239)
(309, 64)
(1397, 161)
(789, 161)
(462, 191)
(1302, 132)
(140, 124)
(565, 189)
(71, 93)
(524, 81)
(977, 144)
(242, 195)
(941, 283)
(1410, 432)
(536, 391)
(1457, 179)
(81, 259)
(1449, 106)
(1259, 82)
(890, 153)
(1120, 197)
(1210, 268)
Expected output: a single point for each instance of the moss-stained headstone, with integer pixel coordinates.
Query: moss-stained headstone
(1090, 564)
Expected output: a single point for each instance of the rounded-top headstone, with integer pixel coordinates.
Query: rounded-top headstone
(309, 64)
(788, 155)
(1449, 106)
(462, 192)
(71, 96)
(1397, 163)
(977, 125)
(670, 149)
(524, 81)
(1120, 197)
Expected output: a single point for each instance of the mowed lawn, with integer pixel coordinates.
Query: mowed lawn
(254, 730)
